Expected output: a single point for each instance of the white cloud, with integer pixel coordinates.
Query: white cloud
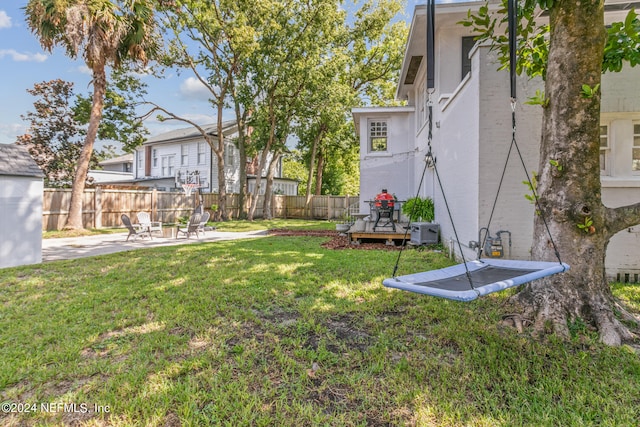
(5, 20)
(85, 70)
(9, 132)
(23, 57)
(192, 88)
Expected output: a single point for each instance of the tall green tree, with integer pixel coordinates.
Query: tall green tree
(105, 33)
(58, 125)
(210, 40)
(361, 70)
(54, 138)
(294, 42)
(579, 48)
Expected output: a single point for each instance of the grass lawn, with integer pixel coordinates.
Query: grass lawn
(279, 331)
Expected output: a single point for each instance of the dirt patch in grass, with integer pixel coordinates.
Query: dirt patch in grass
(336, 240)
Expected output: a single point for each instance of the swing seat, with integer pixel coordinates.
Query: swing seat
(487, 276)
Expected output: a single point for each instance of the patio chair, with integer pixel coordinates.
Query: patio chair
(202, 227)
(144, 220)
(133, 230)
(191, 227)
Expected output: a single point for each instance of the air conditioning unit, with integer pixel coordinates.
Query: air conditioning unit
(425, 233)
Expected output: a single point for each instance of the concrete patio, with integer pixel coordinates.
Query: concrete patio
(86, 246)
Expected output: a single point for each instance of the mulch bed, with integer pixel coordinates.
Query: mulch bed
(336, 241)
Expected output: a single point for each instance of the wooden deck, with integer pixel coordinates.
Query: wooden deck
(357, 234)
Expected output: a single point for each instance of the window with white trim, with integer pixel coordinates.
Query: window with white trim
(378, 135)
(229, 155)
(140, 156)
(604, 150)
(635, 154)
(184, 155)
(168, 163)
(202, 156)
(154, 156)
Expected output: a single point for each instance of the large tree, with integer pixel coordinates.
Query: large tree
(106, 33)
(54, 137)
(364, 62)
(210, 40)
(569, 188)
(58, 125)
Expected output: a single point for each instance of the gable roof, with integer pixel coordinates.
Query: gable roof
(16, 161)
(192, 132)
(126, 158)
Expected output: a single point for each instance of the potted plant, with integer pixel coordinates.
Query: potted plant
(419, 209)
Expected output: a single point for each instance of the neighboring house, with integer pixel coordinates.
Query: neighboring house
(472, 133)
(122, 163)
(163, 160)
(118, 170)
(21, 188)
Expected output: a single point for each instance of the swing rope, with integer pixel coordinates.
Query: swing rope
(429, 158)
(512, 16)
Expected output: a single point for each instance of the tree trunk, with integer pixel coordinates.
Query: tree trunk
(222, 187)
(570, 190)
(258, 184)
(74, 220)
(268, 191)
(319, 172)
(243, 138)
(312, 162)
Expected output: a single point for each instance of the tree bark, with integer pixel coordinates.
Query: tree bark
(569, 190)
(319, 172)
(74, 220)
(268, 191)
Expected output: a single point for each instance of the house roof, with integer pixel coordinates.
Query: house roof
(447, 14)
(127, 158)
(192, 132)
(16, 161)
(359, 112)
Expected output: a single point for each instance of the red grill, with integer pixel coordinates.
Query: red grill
(384, 204)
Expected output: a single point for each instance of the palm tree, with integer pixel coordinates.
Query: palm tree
(106, 33)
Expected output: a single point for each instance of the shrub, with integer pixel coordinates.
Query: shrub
(419, 209)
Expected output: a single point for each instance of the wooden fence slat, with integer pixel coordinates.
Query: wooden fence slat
(104, 207)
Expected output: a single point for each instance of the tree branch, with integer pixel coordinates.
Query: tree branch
(617, 219)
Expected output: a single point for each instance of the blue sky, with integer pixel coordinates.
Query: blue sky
(23, 63)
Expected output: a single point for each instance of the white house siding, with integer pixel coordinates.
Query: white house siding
(456, 148)
(21, 228)
(471, 138)
(231, 171)
(621, 186)
(393, 169)
(623, 253)
(513, 212)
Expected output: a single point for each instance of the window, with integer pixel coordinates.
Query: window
(604, 150)
(636, 148)
(229, 155)
(467, 45)
(168, 163)
(140, 155)
(378, 135)
(184, 155)
(154, 156)
(201, 153)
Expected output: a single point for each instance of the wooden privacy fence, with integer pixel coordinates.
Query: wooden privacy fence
(104, 207)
